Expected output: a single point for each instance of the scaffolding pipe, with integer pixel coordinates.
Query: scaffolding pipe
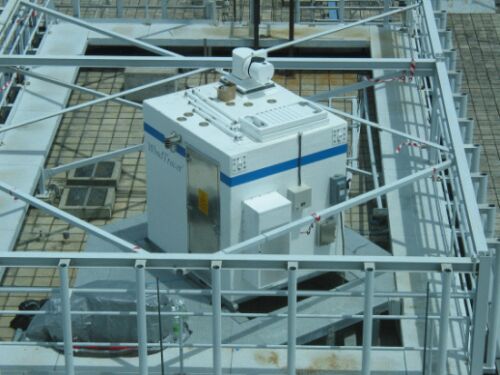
(119, 8)
(142, 335)
(292, 317)
(371, 149)
(76, 8)
(386, 129)
(343, 90)
(297, 11)
(491, 353)
(68, 218)
(138, 43)
(341, 11)
(216, 317)
(93, 160)
(339, 28)
(66, 317)
(103, 100)
(386, 9)
(435, 128)
(444, 321)
(368, 318)
(164, 9)
(55, 81)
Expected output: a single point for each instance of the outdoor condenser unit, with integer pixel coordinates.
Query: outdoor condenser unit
(230, 160)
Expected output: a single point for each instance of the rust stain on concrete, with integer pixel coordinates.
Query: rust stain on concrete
(332, 362)
(267, 358)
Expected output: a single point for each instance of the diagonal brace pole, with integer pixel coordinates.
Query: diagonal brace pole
(386, 129)
(55, 81)
(68, 218)
(93, 160)
(341, 91)
(333, 210)
(340, 28)
(102, 100)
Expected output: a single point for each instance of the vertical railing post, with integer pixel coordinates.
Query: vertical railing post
(216, 317)
(446, 277)
(142, 336)
(164, 9)
(341, 11)
(181, 345)
(368, 318)
(297, 11)
(292, 316)
(119, 8)
(434, 132)
(481, 302)
(250, 16)
(76, 8)
(42, 183)
(495, 314)
(462, 105)
(66, 316)
(386, 9)
(371, 149)
(146, 9)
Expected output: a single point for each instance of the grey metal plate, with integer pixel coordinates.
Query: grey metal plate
(203, 203)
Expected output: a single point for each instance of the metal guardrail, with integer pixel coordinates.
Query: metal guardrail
(215, 11)
(469, 259)
(21, 31)
(216, 265)
(467, 235)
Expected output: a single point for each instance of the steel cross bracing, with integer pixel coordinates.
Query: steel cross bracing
(477, 261)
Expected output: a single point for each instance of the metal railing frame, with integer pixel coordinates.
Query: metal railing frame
(478, 258)
(218, 264)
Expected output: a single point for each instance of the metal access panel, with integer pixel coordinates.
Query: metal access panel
(203, 203)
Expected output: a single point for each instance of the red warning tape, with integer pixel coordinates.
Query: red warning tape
(409, 144)
(5, 86)
(29, 15)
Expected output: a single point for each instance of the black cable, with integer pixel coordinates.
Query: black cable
(256, 24)
(299, 161)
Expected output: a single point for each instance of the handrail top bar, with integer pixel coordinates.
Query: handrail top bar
(423, 66)
(238, 261)
(340, 28)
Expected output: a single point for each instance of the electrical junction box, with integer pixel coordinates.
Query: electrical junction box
(338, 189)
(261, 214)
(300, 196)
(219, 172)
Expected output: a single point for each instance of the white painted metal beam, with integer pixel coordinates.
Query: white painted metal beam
(138, 43)
(423, 66)
(238, 261)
